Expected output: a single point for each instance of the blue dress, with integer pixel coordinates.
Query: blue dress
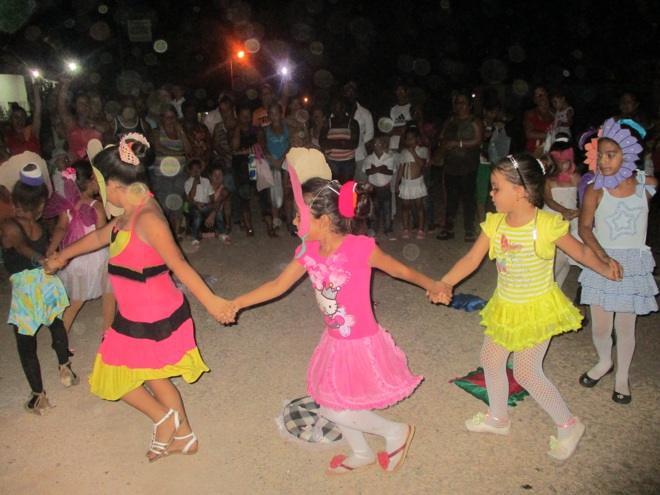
(620, 228)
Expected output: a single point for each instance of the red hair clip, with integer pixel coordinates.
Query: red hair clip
(348, 199)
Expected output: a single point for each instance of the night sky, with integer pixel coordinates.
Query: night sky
(592, 49)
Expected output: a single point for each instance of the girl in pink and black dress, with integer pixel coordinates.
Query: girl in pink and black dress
(356, 366)
(152, 336)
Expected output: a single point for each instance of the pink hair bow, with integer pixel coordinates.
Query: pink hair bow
(348, 199)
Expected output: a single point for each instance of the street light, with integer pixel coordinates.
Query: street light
(72, 66)
(241, 57)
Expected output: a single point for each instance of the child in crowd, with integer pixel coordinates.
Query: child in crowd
(527, 308)
(379, 169)
(36, 298)
(198, 194)
(613, 222)
(59, 161)
(563, 114)
(79, 213)
(277, 139)
(152, 336)
(410, 181)
(495, 146)
(356, 367)
(560, 195)
(220, 215)
(245, 137)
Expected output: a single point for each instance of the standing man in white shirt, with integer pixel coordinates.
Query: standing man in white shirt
(401, 115)
(366, 122)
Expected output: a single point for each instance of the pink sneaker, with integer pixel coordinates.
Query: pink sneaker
(405, 234)
(421, 235)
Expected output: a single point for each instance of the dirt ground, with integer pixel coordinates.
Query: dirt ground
(86, 445)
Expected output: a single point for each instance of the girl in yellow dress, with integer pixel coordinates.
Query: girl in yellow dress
(527, 308)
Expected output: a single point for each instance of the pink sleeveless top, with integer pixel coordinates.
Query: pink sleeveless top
(342, 286)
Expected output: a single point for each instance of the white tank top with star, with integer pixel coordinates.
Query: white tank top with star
(620, 223)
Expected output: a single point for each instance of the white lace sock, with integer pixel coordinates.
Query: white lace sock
(493, 359)
(528, 372)
(601, 334)
(625, 348)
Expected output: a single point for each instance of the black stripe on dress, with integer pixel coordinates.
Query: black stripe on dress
(157, 330)
(148, 272)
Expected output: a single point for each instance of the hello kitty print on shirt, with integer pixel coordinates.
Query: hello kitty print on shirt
(327, 280)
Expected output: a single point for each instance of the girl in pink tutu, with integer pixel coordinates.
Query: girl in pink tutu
(356, 367)
(79, 213)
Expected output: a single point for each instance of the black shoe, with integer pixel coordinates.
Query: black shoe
(621, 398)
(587, 381)
(445, 235)
(585, 321)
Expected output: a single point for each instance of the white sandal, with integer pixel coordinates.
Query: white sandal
(189, 445)
(160, 448)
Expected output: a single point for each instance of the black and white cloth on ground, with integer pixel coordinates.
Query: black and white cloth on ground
(301, 418)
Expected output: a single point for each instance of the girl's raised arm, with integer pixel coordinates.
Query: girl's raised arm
(272, 289)
(91, 242)
(468, 263)
(585, 255)
(394, 268)
(58, 233)
(153, 228)
(436, 291)
(585, 229)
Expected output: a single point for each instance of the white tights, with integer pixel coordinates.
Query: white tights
(528, 371)
(353, 425)
(602, 322)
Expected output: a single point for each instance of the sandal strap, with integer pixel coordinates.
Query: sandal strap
(166, 417)
(191, 442)
(158, 447)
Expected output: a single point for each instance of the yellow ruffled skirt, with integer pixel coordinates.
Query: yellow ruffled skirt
(519, 326)
(113, 382)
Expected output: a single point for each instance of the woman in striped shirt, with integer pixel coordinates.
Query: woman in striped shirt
(527, 308)
(338, 141)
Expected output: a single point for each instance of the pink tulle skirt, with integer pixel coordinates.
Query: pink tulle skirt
(367, 373)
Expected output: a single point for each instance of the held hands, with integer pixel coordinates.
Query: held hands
(570, 214)
(613, 270)
(54, 263)
(440, 293)
(222, 311)
(610, 268)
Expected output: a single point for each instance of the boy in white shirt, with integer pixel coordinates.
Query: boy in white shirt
(379, 169)
(198, 195)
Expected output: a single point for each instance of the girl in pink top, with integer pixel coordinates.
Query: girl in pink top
(356, 366)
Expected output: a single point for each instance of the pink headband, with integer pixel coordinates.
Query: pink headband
(126, 153)
(348, 199)
(563, 155)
